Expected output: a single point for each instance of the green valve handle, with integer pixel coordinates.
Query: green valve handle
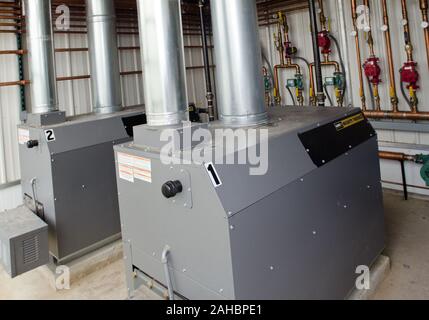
(424, 159)
(267, 84)
(296, 82)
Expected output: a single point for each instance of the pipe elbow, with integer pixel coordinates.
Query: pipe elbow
(165, 254)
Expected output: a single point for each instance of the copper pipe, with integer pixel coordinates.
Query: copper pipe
(407, 34)
(392, 79)
(419, 116)
(4, 52)
(82, 77)
(424, 5)
(395, 156)
(358, 55)
(277, 68)
(370, 38)
(375, 86)
(72, 78)
(409, 50)
(9, 24)
(285, 66)
(7, 17)
(64, 50)
(283, 38)
(279, 41)
(9, 5)
(3, 11)
(14, 83)
(323, 19)
(325, 63)
(129, 73)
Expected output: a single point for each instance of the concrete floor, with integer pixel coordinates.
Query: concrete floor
(407, 246)
(407, 225)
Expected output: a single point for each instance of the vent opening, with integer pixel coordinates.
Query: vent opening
(31, 250)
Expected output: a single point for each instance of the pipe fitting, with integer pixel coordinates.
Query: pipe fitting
(164, 261)
(424, 172)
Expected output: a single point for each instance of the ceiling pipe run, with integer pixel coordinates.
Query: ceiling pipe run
(238, 63)
(103, 56)
(161, 38)
(44, 98)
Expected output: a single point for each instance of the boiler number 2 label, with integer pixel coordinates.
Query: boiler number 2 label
(50, 135)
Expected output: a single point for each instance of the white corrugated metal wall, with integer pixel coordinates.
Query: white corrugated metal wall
(75, 95)
(9, 111)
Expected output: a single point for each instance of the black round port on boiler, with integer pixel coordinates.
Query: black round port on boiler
(171, 188)
(32, 144)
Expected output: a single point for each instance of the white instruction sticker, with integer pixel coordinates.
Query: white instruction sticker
(143, 175)
(23, 136)
(126, 173)
(140, 168)
(125, 159)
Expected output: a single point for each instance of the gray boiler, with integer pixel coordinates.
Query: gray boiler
(298, 232)
(68, 176)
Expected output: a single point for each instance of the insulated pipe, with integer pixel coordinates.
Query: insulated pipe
(238, 62)
(103, 56)
(163, 59)
(209, 95)
(320, 96)
(41, 56)
(345, 49)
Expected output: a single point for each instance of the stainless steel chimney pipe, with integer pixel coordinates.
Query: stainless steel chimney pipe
(103, 56)
(43, 83)
(238, 59)
(161, 41)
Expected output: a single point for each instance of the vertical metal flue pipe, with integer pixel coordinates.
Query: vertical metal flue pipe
(161, 40)
(207, 67)
(43, 85)
(239, 82)
(103, 56)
